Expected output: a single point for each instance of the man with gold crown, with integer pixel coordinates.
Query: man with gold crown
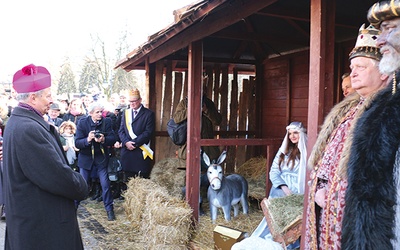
(136, 130)
(329, 157)
(372, 214)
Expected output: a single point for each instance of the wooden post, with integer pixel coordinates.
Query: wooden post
(151, 84)
(321, 76)
(195, 67)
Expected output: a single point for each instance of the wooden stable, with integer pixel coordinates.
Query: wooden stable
(268, 63)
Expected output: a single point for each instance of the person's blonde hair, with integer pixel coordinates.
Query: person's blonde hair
(67, 124)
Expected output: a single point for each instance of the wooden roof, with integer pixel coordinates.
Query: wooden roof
(242, 32)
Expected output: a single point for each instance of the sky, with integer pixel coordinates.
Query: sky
(45, 32)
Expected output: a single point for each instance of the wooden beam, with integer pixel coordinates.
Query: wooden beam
(194, 124)
(329, 81)
(288, 91)
(240, 142)
(298, 28)
(296, 17)
(256, 37)
(167, 96)
(151, 85)
(229, 13)
(320, 76)
(257, 49)
(215, 60)
(158, 71)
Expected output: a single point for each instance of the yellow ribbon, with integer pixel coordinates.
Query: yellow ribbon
(146, 150)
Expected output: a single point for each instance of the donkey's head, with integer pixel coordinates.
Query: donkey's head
(215, 172)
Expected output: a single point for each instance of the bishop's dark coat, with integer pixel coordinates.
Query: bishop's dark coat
(40, 187)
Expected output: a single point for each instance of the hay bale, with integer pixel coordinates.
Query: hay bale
(254, 170)
(135, 199)
(284, 217)
(166, 221)
(161, 219)
(285, 210)
(166, 174)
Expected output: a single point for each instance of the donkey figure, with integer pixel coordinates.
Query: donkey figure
(225, 191)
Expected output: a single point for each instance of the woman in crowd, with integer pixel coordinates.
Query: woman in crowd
(67, 137)
(75, 111)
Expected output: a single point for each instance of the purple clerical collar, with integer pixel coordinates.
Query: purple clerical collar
(29, 107)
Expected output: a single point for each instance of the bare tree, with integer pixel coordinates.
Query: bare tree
(90, 76)
(66, 83)
(98, 70)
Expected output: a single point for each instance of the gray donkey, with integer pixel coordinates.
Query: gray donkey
(225, 191)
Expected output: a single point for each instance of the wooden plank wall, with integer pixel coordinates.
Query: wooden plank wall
(236, 105)
(285, 93)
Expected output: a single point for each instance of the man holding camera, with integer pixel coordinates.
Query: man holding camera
(94, 136)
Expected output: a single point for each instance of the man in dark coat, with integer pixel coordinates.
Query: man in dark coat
(136, 129)
(94, 136)
(372, 214)
(40, 187)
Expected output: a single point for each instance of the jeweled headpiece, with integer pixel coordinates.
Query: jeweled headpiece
(366, 44)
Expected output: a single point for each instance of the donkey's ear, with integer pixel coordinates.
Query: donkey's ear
(206, 159)
(222, 157)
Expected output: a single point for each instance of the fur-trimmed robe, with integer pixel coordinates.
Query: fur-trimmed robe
(331, 122)
(369, 216)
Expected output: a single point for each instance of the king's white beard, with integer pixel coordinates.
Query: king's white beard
(390, 62)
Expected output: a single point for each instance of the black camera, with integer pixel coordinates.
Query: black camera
(97, 134)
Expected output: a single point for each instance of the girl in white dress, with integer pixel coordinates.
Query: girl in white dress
(288, 170)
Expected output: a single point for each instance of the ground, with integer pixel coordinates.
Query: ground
(99, 233)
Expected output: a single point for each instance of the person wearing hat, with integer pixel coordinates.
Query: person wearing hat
(135, 132)
(53, 115)
(329, 157)
(372, 214)
(40, 187)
